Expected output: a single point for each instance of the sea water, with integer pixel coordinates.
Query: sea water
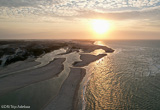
(129, 78)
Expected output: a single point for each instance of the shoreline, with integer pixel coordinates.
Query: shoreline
(76, 98)
(71, 84)
(67, 98)
(86, 59)
(59, 101)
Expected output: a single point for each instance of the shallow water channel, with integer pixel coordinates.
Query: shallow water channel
(39, 94)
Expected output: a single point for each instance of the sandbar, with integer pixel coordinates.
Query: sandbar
(87, 59)
(22, 79)
(17, 66)
(67, 97)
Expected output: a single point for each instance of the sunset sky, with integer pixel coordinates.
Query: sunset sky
(72, 19)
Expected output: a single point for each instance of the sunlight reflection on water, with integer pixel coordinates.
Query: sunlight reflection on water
(129, 78)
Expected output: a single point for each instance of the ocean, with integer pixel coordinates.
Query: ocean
(128, 79)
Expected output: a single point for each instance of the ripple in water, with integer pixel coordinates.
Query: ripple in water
(129, 78)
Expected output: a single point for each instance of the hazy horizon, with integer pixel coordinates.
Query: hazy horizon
(70, 19)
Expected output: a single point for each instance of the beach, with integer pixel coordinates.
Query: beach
(67, 98)
(66, 68)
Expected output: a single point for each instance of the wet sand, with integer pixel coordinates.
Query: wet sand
(87, 59)
(20, 65)
(67, 97)
(22, 79)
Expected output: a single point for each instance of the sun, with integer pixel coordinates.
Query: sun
(100, 26)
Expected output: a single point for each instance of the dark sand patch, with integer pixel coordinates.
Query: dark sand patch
(87, 59)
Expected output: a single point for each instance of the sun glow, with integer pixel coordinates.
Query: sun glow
(100, 26)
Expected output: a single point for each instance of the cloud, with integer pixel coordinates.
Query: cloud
(109, 9)
(27, 3)
(17, 3)
(153, 13)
